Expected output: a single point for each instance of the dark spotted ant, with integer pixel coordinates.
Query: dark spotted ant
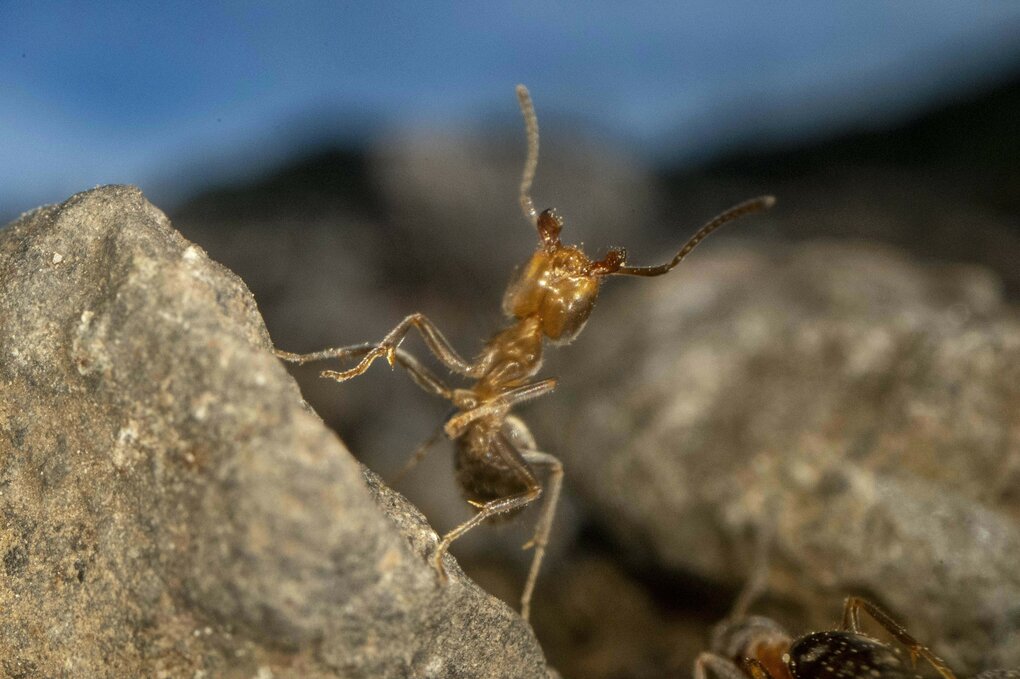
(749, 646)
(549, 299)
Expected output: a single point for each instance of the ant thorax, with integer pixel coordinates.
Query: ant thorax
(510, 358)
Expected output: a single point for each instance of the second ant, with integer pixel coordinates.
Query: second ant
(497, 461)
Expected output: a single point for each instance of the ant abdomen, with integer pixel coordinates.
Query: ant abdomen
(483, 470)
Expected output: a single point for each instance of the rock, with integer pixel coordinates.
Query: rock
(170, 506)
(858, 407)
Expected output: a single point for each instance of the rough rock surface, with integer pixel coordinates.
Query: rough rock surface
(170, 508)
(857, 406)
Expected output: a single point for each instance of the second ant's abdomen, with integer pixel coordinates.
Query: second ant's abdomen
(844, 655)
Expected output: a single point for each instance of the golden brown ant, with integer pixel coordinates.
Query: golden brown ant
(549, 299)
(755, 647)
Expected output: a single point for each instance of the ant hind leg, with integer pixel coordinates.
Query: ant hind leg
(544, 526)
(485, 511)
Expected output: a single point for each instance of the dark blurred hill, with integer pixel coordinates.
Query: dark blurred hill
(944, 186)
(321, 182)
(977, 137)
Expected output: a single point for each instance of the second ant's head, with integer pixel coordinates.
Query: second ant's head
(559, 284)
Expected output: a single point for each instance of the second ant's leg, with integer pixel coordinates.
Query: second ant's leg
(544, 526)
(756, 669)
(712, 665)
(852, 623)
(456, 425)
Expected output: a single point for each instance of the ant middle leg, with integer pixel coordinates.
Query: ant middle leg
(852, 623)
(434, 340)
(456, 425)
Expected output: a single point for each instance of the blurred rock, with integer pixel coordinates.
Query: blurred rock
(856, 405)
(456, 199)
(639, 637)
(171, 508)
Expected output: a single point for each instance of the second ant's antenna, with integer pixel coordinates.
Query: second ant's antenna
(531, 163)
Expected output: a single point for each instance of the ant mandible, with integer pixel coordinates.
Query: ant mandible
(754, 647)
(549, 299)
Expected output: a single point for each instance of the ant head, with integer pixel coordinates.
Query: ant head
(756, 638)
(559, 284)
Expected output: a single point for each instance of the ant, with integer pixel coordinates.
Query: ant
(497, 459)
(755, 647)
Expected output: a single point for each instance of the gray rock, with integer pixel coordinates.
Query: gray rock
(859, 407)
(170, 506)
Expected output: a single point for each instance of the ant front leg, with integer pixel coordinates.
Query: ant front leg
(852, 623)
(434, 340)
(420, 375)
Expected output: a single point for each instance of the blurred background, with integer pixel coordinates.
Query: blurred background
(355, 162)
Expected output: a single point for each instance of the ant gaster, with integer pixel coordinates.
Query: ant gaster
(551, 298)
(755, 647)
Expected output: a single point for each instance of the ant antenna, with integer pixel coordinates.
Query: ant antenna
(746, 208)
(528, 176)
(758, 581)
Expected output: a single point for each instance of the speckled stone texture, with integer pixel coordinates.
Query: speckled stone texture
(170, 507)
(857, 406)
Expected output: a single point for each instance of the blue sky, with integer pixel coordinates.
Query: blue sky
(171, 95)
